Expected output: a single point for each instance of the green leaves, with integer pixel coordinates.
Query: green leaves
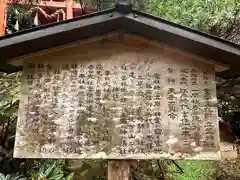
(9, 90)
(70, 176)
(50, 170)
(18, 13)
(12, 177)
(2, 177)
(200, 170)
(219, 17)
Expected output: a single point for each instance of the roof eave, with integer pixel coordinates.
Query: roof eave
(51, 36)
(100, 23)
(57, 28)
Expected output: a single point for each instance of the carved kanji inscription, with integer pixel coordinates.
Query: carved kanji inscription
(130, 106)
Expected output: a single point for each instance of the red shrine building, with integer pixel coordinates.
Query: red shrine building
(48, 11)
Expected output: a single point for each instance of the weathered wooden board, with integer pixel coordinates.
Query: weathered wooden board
(118, 102)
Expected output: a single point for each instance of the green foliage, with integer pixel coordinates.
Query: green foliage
(218, 17)
(228, 96)
(12, 177)
(199, 170)
(51, 170)
(9, 94)
(18, 12)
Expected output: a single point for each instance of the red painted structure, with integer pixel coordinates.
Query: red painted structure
(3, 10)
(48, 10)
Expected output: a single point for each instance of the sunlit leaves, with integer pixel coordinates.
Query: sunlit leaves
(12, 177)
(51, 170)
(218, 17)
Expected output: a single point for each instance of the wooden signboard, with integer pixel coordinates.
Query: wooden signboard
(117, 101)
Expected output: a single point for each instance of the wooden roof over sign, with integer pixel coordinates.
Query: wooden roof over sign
(122, 17)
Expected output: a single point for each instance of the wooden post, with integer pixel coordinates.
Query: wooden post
(118, 170)
(69, 9)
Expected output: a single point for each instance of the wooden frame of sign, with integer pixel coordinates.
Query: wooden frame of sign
(117, 97)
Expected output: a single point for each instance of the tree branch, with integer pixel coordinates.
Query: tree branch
(181, 170)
